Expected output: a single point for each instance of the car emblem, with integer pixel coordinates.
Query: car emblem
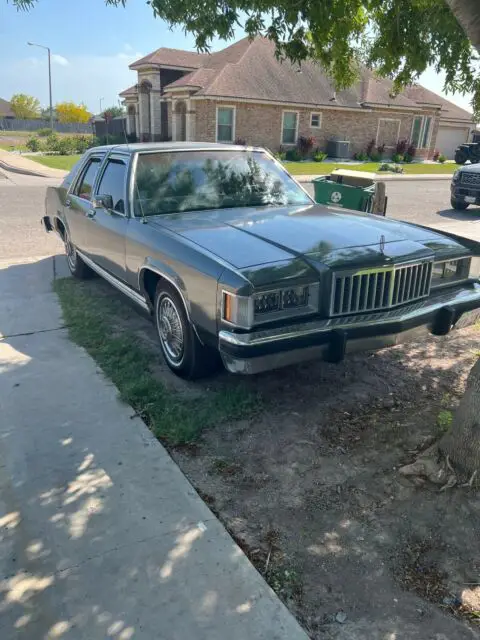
(382, 243)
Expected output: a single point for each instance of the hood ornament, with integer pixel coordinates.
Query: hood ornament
(382, 243)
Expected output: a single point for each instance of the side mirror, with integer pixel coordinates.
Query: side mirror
(103, 202)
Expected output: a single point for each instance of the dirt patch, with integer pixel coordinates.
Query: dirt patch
(310, 490)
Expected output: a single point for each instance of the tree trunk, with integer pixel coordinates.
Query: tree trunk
(462, 442)
(467, 13)
(456, 457)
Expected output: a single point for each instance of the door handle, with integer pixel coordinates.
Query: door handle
(68, 202)
(91, 213)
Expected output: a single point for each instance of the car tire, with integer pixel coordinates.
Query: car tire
(181, 348)
(458, 204)
(77, 266)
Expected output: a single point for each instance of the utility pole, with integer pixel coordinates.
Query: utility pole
(34, 44)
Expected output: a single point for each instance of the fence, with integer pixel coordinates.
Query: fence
(116, 127)
(15, 124)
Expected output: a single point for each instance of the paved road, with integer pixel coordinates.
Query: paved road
(423, 202)
(21, 207)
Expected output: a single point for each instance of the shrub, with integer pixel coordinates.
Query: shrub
(305, 145)
(401, 147)
(44, 132)
(388, 166)
(241, 142)
(360, 155)
(375, 156)
(407, 158)
(381, 148)
(33, 144)
(442, 158)
(397, 157)
(66, 146)
(51, 143)
(280, 155)
(293, 155)
(412, 150)
(370, 147)
(319, 156)
(82, 143)
(436, 155)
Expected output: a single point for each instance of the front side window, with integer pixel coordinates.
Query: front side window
(289, 127)
(200, 180)
(225, 124)
(112, 183)
(85, 186)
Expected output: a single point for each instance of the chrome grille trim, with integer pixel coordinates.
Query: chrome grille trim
(379, 289)
(470, 178)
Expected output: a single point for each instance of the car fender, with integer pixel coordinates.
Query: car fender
(170, 275)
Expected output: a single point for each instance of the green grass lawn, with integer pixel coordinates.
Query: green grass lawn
(56, 162)
(98, 320)
(322, 168)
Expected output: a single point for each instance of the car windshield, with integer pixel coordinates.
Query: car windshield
(198, 180)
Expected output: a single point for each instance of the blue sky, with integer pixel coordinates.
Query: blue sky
(92, 46)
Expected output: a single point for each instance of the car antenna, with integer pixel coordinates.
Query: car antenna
(144, 218)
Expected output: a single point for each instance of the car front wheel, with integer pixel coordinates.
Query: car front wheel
(77, 267)
(181, 348)
(458, 204)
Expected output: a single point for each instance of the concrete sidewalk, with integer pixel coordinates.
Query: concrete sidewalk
(19, 164)
(101, 535)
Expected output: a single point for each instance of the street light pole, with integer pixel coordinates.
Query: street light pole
(34, 44)
(101, 100)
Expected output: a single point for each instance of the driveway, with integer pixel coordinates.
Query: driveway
(101, 535)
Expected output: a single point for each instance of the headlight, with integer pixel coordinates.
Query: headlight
(449, 271)
(266, 306)
(456, 176)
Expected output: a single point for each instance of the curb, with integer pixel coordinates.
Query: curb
(389, 178)
(27, 172)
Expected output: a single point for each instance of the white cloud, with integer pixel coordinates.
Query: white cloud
(63, 62)
(84, 78)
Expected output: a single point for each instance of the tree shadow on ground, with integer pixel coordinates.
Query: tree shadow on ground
(472, 213)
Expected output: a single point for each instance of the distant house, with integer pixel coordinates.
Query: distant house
(5, 109)
(244, 93)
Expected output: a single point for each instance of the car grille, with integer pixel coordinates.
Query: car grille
(378, 289)
(470, 178)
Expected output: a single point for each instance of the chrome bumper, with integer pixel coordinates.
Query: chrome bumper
(333, 338)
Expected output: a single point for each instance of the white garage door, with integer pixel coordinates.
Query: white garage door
(448, 139)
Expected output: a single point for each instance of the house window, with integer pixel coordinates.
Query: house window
(225, 124)
(315, 120)
(421, 130)
(289, 127)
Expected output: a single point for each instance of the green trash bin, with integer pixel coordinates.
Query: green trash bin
(338, 194)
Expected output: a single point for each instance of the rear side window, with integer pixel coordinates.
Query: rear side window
(112, 183)
(85, 186)
(73, 174)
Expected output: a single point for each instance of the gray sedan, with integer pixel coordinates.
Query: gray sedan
(237, 264)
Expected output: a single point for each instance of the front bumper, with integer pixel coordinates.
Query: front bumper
(331, 339)
(465, 192)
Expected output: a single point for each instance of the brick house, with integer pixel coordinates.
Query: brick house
(5, 109)
(244, 93)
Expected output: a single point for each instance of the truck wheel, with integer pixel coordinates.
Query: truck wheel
(181, 348)
(458, 204)
(77, 267)
(460, 157)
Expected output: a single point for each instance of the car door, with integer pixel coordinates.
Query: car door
(78, 202)
(107, 227)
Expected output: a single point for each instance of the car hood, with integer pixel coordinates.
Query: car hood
(248, 237)
(470, 168)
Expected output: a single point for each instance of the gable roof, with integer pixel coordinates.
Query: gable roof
(6, 109)
(171, 58)
(249, 69)
(449, 111)
(131, 91)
